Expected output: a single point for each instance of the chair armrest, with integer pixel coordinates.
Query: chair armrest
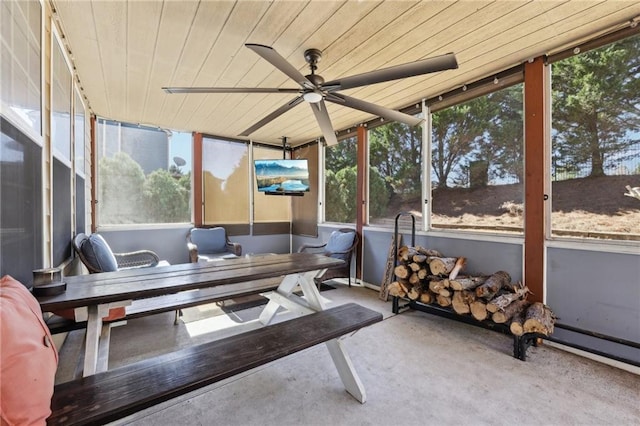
(234, 248)
(305, 247)
(136, 259)
(193, 252)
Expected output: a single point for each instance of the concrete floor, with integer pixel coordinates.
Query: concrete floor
(417, 369)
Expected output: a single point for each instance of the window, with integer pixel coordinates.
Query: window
(477, 163)
(225, 174)
(596, 142)
(340, 184)
(20, 35)
(144, 174)
(395, 172)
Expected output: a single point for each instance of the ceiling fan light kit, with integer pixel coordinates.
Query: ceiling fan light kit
(315, 91)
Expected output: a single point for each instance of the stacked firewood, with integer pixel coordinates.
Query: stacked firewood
(427, 276)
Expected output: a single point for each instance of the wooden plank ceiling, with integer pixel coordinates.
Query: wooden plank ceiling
(125, 51)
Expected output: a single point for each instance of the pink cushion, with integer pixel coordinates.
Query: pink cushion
(28, 358)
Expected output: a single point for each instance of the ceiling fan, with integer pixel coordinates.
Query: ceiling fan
(314, 90)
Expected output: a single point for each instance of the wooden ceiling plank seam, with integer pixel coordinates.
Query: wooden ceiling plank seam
(207, 20)
(475, 75)
(108, 20)
(181, 111)
(490, 14)
(267, 37)
(383, 17)
(303, 25)
(248, 97)
(142, 54)
(384, 92)
(399, 27)
(231, 39)
(352, 13)
(391, 89)
(166, 103)
(486, 16)
(212, 16)
(396, 51)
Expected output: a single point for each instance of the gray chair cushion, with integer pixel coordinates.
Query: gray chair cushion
(98, 253)
(340, 241)
(213, 240)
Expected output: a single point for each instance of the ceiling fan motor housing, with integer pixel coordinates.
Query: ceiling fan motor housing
(312, 56)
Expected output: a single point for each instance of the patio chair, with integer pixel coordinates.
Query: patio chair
(341, 245)
(206, 244)
(97, 256)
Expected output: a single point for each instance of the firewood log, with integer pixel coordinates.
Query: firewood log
(414, 266)
(494, 283)
(466, 283)
(539, 319)
(419, 258)
(436, 285)
(396, 290)
(428, 252)
(413, 279)
(502, 317)
(405, 253)
(405, 286)
(414, 292)
(443, 300)
(516, 324)
(500, 302)
(442, 265)
(457, 267)
(427, 297)
(461, 300)
(478, 310)
(422, 273)
(402, 271)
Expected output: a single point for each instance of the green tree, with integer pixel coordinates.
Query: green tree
(456, 131)
(165, 199)
(505, 142)
(342, 155)
(120, 185)
(378, 194)
(340, 181)
(395, 150)
(341, 192)
(596, 106)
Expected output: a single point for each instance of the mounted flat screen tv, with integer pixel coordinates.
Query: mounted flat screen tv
(282, 177)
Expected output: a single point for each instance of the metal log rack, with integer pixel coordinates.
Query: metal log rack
(520, 343)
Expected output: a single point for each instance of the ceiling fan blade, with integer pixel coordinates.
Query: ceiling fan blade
(386, 113)
(281, 63)
(275, 114)
(424, 66)
(322, 116)
(227, 90)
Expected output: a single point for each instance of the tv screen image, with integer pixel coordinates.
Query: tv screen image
(282, 177)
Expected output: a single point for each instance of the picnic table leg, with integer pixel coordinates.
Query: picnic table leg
(94, 329)
(285, 289)
(310, 290)
(347, 372)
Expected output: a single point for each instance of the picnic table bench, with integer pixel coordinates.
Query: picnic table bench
(172, 302)
(117, 393)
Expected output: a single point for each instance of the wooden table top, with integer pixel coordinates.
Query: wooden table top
(93, 289)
